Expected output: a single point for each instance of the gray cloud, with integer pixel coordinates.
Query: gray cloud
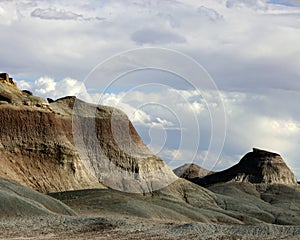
(209, 13)
(155, 36)
(54, 14)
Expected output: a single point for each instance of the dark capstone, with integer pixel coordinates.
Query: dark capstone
(258, 166)
(27, 92)
(4, 76)
(50, 100)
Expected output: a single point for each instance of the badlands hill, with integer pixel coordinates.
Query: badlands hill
(257, 167)
(19, 201)
(38, 149)
(191, 171)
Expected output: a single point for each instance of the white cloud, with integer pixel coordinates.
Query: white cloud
(22, 84)
(44, 86)
(47, 87)
(134, 107)
(280, 127)
(141, 117)
(163, 122)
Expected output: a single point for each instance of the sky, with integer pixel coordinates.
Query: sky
(203, 81)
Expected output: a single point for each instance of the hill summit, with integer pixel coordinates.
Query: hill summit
(257, 167)
(191, 171)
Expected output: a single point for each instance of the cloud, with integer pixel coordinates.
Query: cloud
(156, 36)
(209, 13)
(54, 14)
(44, 85)
(47, 87)
(139, 109)
(22, 84)
(227, 48)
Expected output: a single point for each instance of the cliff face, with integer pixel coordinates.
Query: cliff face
(38, 148)
(257, 167)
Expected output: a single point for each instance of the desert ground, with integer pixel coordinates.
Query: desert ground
(82, 228)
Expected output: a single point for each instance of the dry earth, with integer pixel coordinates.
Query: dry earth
(134, 228)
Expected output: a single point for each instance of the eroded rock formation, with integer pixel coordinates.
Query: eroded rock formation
(257, 167)
(38, 148)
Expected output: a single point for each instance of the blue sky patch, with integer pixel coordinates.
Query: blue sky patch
(281, 2)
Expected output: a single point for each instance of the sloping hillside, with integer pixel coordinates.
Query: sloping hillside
(19, 201)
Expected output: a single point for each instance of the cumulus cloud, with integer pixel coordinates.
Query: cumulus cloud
(47, 87)
(22, 84)
(140, 109)
(44, 85)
